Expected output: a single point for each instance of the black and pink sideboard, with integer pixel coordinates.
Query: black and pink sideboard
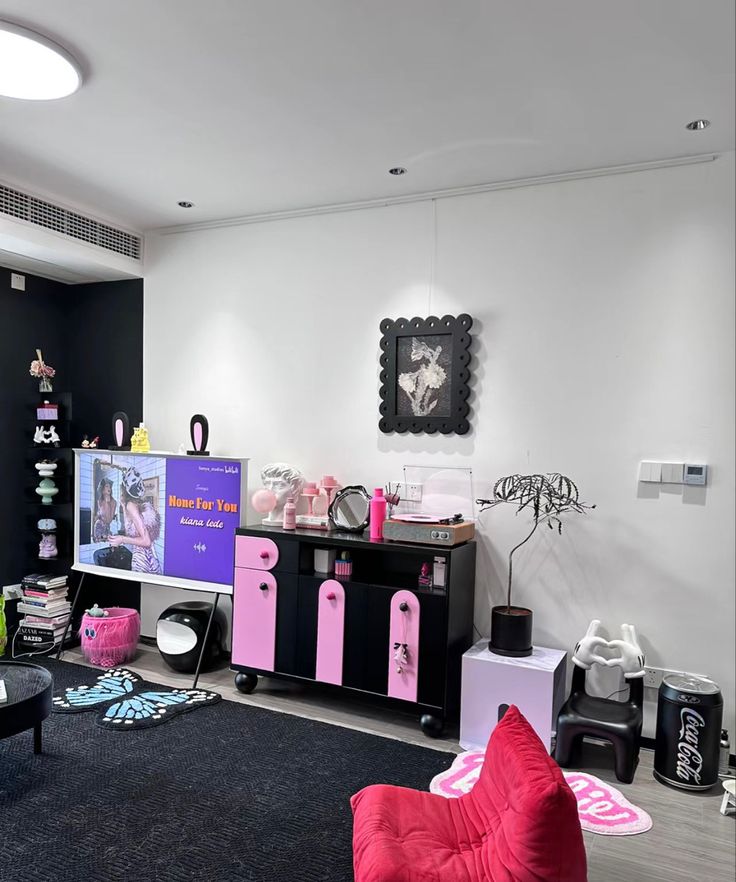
(296, 624)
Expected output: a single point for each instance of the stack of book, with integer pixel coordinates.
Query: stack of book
(46, 610)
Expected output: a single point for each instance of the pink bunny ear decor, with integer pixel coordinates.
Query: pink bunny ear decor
(199, 429)
(631, 660)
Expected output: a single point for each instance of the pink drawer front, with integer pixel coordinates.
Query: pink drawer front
(256, 552)
(254, 619)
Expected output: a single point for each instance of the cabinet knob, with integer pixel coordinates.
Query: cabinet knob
(263, 555)
(330, 595)
(404, 606)
(263, 586)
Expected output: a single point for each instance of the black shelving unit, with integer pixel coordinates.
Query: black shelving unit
(61, 507)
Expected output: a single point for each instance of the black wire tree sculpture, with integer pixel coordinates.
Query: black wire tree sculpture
(547, 498)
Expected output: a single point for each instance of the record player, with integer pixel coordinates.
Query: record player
(441, 513)
(429, 530)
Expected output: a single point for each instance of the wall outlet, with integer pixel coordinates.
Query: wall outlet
(17, 282)
(653, 677)
(410, 492)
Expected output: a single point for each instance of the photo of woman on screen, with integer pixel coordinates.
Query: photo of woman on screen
(142, 524)
(105, 511)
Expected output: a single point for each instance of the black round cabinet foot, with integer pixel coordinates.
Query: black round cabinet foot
(432, 726)
(246, 683)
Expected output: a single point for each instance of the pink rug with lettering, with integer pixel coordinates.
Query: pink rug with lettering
(602, 808)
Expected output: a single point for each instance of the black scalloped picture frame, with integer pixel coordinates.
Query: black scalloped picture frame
(424, 375)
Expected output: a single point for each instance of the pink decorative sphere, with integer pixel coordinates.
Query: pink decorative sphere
(263, 501)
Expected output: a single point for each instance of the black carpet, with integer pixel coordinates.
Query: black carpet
(230, 792)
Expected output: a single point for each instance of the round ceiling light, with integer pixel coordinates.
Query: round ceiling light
(397, 171)
(33, 67)
(697, 125)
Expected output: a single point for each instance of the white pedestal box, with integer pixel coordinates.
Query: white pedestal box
(535, 684)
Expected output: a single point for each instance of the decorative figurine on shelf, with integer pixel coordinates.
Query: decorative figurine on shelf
(47, 546)
(47, 490)
(120, 431)
(139, 443)
(97, 612)
(199, 429)
(46, 437)
(85, 441)
(47, 525)
(43, 373)
(280, 480)
(425, 576)
(94, 442)
(46, 468)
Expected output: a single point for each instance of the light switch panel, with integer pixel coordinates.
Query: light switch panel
(672, 472)
(650, 471)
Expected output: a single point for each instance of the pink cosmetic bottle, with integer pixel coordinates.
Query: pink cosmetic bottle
(290, 514)
(378, 513)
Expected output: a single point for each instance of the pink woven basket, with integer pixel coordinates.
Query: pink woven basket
(111, 640)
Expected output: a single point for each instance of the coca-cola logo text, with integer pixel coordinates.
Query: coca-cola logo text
(689, 758)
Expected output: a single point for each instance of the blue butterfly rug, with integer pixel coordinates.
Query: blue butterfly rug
(125, 703)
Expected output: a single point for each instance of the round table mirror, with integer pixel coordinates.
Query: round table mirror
(350, 509)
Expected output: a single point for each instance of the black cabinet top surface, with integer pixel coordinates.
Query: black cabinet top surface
(337, 539)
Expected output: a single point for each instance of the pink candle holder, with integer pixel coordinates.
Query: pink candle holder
(330, 486)
(310, 490)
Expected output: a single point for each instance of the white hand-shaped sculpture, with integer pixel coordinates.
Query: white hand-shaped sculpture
(586, 654)
(631, 660)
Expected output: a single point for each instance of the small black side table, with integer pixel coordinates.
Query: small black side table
(30, 689)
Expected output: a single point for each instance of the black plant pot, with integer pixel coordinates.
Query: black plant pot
(511, 631)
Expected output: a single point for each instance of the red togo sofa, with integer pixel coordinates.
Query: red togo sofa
(518, 824)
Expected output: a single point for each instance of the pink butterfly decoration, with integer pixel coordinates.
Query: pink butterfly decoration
(601, 808)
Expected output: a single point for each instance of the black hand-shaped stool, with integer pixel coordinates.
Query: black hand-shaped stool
(619, 722)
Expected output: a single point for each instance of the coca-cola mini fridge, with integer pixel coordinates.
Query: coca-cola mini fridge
(689, 715)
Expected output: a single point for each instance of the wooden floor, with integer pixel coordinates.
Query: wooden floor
(690, 841)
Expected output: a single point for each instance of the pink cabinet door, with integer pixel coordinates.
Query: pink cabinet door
(254, 619)
(403, 650)
(330, 632)
(256, 552)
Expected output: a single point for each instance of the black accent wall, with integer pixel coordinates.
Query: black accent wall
(93, 335)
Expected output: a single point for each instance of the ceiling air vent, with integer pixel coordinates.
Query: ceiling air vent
(37, 211)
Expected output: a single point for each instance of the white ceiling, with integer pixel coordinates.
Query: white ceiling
(249, 106)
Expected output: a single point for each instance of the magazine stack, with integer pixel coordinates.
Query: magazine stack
(46, 610)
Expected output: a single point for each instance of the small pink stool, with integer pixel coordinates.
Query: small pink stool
(111, 640)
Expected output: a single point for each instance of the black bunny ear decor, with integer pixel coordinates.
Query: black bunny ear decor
(199, 429)
(120, 431)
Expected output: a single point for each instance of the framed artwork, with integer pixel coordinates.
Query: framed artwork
(424, 374)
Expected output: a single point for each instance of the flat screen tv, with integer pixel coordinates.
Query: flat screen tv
(161, 518)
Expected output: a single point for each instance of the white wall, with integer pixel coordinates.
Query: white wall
(604, 321)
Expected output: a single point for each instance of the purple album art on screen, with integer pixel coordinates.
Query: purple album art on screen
(158, 515)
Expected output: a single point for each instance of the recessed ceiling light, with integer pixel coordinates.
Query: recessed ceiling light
(397, 171)
(697, 125)
(185, 204)
(34, 68)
